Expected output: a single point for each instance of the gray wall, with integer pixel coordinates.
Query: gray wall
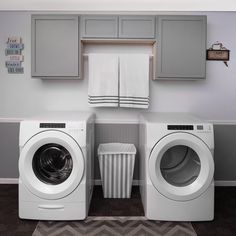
(225, 147)
(9, 142)
(124, 133)
(225, 152)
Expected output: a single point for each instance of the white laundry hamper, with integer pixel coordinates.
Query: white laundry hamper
(116, 161)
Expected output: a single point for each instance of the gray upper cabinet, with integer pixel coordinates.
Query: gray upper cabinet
(181, 47)
(99, 26)
(113, 27)
(137, 27)
(55, 46)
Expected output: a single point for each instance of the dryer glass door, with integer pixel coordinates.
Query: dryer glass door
(51, 164)
(181, 166)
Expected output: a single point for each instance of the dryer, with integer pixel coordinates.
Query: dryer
(176, 167)
(56, 166)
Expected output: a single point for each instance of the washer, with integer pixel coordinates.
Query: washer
(177, 167)
(56, 166)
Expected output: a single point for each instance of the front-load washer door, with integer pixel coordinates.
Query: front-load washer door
(51, 164)
(181, 166)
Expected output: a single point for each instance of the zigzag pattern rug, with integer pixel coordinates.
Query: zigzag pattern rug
(114, 226)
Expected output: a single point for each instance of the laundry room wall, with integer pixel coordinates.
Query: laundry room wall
(212, 99)
(120, 5)
(224, 156)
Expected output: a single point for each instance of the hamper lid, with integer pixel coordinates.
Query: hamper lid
(116, 148)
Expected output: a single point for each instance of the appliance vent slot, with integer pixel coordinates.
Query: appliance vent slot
(52, 125)
(180, 127)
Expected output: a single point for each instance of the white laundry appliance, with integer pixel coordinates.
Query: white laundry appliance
(176, 167)
(56, 166)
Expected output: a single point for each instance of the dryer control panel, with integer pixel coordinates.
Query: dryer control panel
(52, 125)
(198, 127)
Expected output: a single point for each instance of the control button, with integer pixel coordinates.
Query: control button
(199, 127)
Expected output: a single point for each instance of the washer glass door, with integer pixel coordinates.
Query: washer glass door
(51, 164)
(181, 166)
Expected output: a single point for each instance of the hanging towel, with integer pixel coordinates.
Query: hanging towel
(103, 80)
(134, 80)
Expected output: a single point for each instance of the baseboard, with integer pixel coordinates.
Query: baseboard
(217, 182)
(8, 180)
(99, 182)
(225, 183)
(15, 181)
(135, 182)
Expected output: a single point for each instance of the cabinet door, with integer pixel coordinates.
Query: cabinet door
(181, 47)
(137, 27)
(98, 26)
(55, 46)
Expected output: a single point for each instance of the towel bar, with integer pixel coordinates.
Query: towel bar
(86, 55)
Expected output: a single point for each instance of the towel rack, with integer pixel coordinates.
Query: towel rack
(86, 55)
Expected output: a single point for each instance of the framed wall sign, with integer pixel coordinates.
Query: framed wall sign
(14, 57)
(217, 52)
(218, 55)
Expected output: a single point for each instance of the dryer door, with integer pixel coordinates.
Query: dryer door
(181, 166)
(51, 164)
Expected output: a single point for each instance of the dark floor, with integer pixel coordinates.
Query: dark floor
(116, 207)
(224, 223)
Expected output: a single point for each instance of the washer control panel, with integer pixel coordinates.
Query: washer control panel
(180, 127)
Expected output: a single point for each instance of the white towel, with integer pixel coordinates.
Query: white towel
(134, 80)
(103, 80)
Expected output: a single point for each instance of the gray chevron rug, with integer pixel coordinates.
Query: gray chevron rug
(114, 226)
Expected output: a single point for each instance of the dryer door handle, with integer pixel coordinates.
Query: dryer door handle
(51, 207)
